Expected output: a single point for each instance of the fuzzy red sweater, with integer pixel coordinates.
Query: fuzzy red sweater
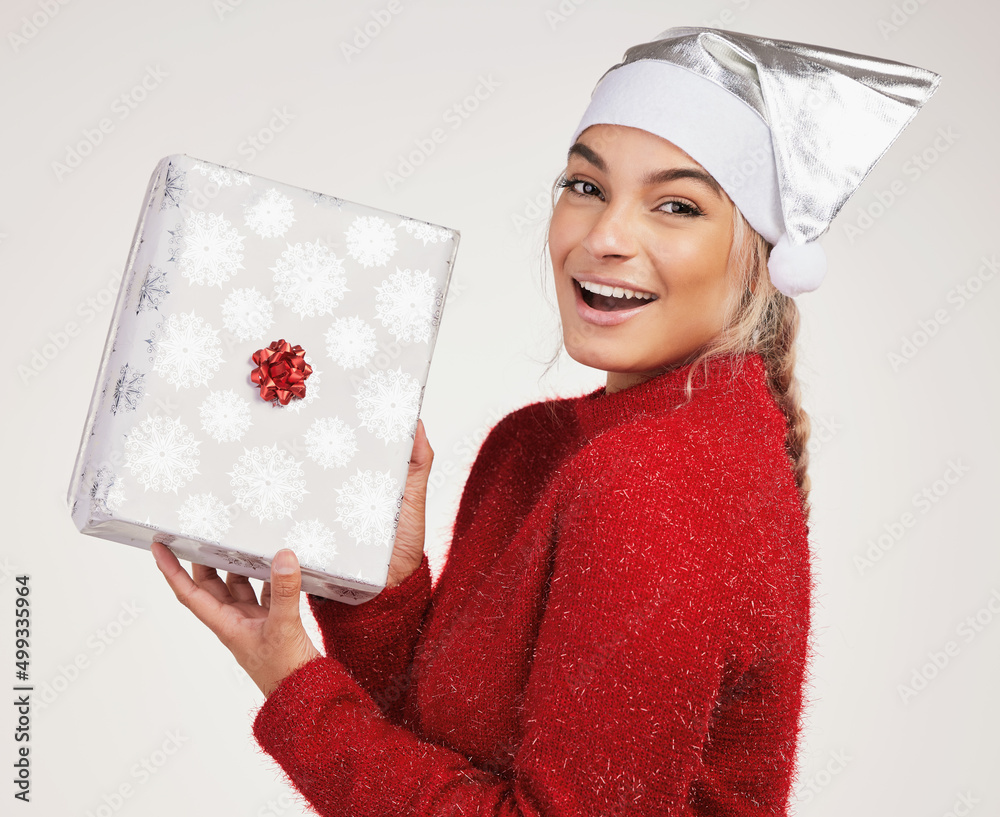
(620, 628)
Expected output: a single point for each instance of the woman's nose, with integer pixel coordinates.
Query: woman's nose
(612, 233)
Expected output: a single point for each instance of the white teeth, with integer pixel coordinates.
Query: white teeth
(617, 292)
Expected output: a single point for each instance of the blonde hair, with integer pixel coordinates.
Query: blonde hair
(758, 319)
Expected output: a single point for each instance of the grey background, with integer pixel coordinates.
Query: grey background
(131, 674)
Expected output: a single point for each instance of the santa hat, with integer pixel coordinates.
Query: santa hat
(788, 130)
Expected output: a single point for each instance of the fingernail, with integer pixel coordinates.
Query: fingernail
(283, 564)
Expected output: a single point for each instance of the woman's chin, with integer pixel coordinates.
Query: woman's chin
(605, 362)
(618, 361)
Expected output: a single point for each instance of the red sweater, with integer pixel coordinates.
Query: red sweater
(620, 628)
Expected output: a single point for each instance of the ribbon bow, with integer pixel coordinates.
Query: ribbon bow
(281, 372)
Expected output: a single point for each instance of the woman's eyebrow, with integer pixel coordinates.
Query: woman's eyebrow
(693, 173)
(654, 177)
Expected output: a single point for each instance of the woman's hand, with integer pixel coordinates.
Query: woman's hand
(409, 547)
(267, 638)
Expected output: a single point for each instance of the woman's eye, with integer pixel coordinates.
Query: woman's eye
(680, 208)
(581, 187)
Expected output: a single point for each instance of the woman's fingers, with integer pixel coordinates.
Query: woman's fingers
(209, 579)
(240, 588)
(198, 600)
(270, 648)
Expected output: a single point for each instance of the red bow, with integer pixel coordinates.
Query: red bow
(281, 372)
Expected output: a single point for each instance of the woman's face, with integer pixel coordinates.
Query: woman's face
(638, 217)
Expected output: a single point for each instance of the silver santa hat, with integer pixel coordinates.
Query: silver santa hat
(789, 130)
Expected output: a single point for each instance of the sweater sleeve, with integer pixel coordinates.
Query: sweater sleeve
(632, 652)
(375, 641)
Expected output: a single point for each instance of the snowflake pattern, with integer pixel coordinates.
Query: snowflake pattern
(331, 442)
(313, 543)
(312, 389)
(406, 304)
(371, 241)
(225, 416)
(241, 559)
(270, 215)
(350, 342)
(204, 516)
(247, 313)
(186, 351)
(107, 491)
(424, 231)
(162, 454)
(268, 482)
(327, 201)
(173, 187)
(222, 176)
(367, 507)
(388, 403)
(210, 251)
(153, 291)
(128, 391)
(310, 279)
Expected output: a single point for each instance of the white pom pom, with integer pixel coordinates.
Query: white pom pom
(796, 268)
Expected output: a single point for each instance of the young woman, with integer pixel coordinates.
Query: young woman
(622, 623)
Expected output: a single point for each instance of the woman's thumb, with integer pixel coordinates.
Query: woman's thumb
(286, 584)
(422, 455)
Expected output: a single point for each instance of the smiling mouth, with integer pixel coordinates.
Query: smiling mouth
(611, 299)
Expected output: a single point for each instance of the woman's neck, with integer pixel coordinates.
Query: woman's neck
(617, 381)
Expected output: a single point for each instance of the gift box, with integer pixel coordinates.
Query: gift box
(262, 378)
